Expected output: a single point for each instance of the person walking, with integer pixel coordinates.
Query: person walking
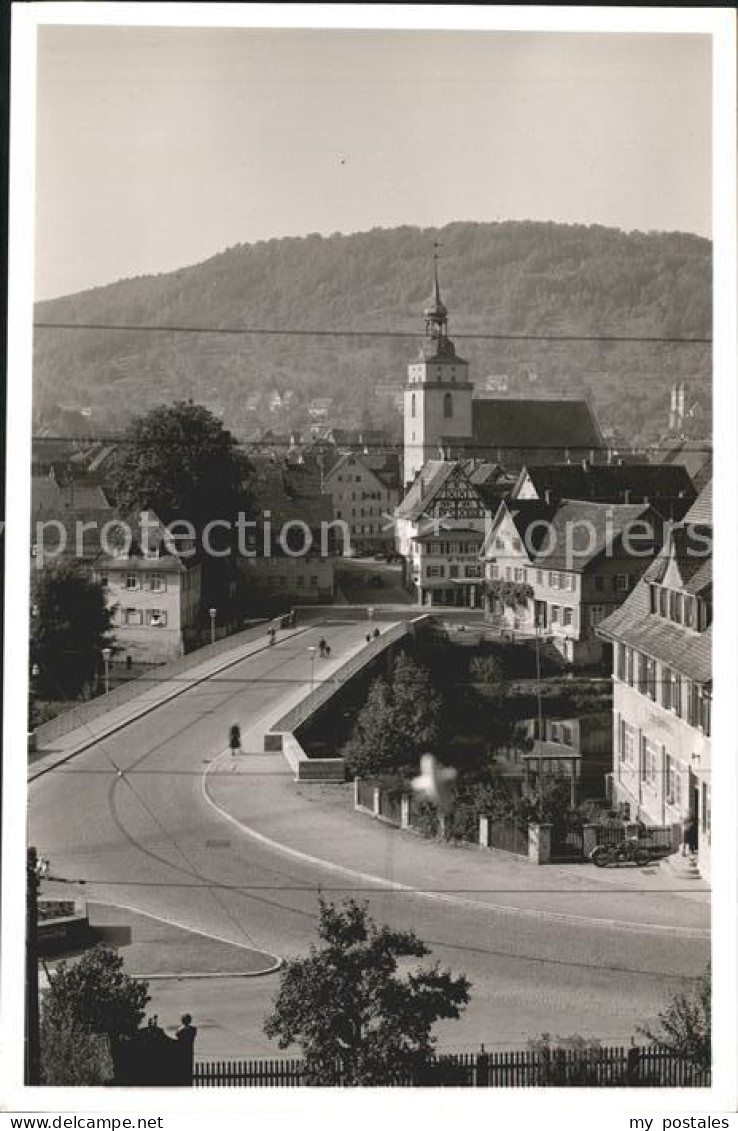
(689, 835)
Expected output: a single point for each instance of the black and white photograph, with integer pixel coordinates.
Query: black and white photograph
(371, 416)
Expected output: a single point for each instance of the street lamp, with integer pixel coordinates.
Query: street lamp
(312, 650)
(213, 614)
(106, 654)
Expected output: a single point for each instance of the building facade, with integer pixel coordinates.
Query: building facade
(440, 530)
(365, 490)
(662, 686)
(558, 570)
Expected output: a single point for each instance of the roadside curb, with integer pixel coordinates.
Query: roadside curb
(190, 974)
(151, 707)
(443, 897)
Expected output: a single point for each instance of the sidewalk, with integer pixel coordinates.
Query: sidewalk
(68, 745)
(318, 824)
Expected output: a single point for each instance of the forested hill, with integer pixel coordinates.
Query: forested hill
(513, 277)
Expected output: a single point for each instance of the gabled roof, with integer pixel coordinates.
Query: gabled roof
(689, 549)
(573, 534)
(534, 425)
(634, 625)
(384, 465)
(701, 511)
(424, 487)
(604, 482)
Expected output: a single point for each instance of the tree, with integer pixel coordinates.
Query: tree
(95, 995)
(69, 629)
(359, 1023)
(70, 1057)
(686, 1024)
(179, 459)
(399, 721)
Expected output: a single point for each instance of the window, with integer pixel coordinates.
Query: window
(704, 614)
(494, 573)
(650, 762)
(448, 405)
(300, 582)
(621, 582)
(435, 571)
(627, 743)
(103, 578)
(156, 618)
(157, 582)
(599, 583)
(673, 782)
(554, 614)
(705, 710)
(412, 405)
(554, 732)
(642, 673)
(132, 616)
(517, 544)
(552, 580)
(675, 607)
(131, 581)
(663, 601)
(313, 582)
(620, 661)
(651, 678)
(629, 663)
(689, 613)
(596, 614)
(508, 573)
(453, 571)
(666, 688)
(676, 693)
(568, 617)
(706, 808)
(567, 736)
(653, 596)
(521, 575)
(563, 581)
(539, 576)
(499, 543)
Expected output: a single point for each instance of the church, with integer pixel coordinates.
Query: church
(444, 420)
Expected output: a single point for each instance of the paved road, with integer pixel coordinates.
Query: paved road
(128, 816)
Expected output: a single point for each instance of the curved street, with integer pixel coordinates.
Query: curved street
(135, 816)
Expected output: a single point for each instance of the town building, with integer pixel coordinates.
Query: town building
(667, 486)
(662, 684)
(440, 527)
(442, 414)
(556, 570)
(365, 490)
(153, 584)
(289, 552)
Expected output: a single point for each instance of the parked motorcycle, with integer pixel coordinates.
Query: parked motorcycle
(630, 851)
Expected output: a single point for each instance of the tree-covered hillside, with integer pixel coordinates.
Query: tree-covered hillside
(513, 277)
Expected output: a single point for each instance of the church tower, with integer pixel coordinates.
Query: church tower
(438, 393)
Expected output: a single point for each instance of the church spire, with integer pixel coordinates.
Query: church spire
(436, 314)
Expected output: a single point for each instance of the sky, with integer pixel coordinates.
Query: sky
(159, 147)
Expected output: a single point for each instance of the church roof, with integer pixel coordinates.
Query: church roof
(533, 425)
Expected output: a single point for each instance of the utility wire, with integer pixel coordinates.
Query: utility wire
(579, 450)
(315, 333)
